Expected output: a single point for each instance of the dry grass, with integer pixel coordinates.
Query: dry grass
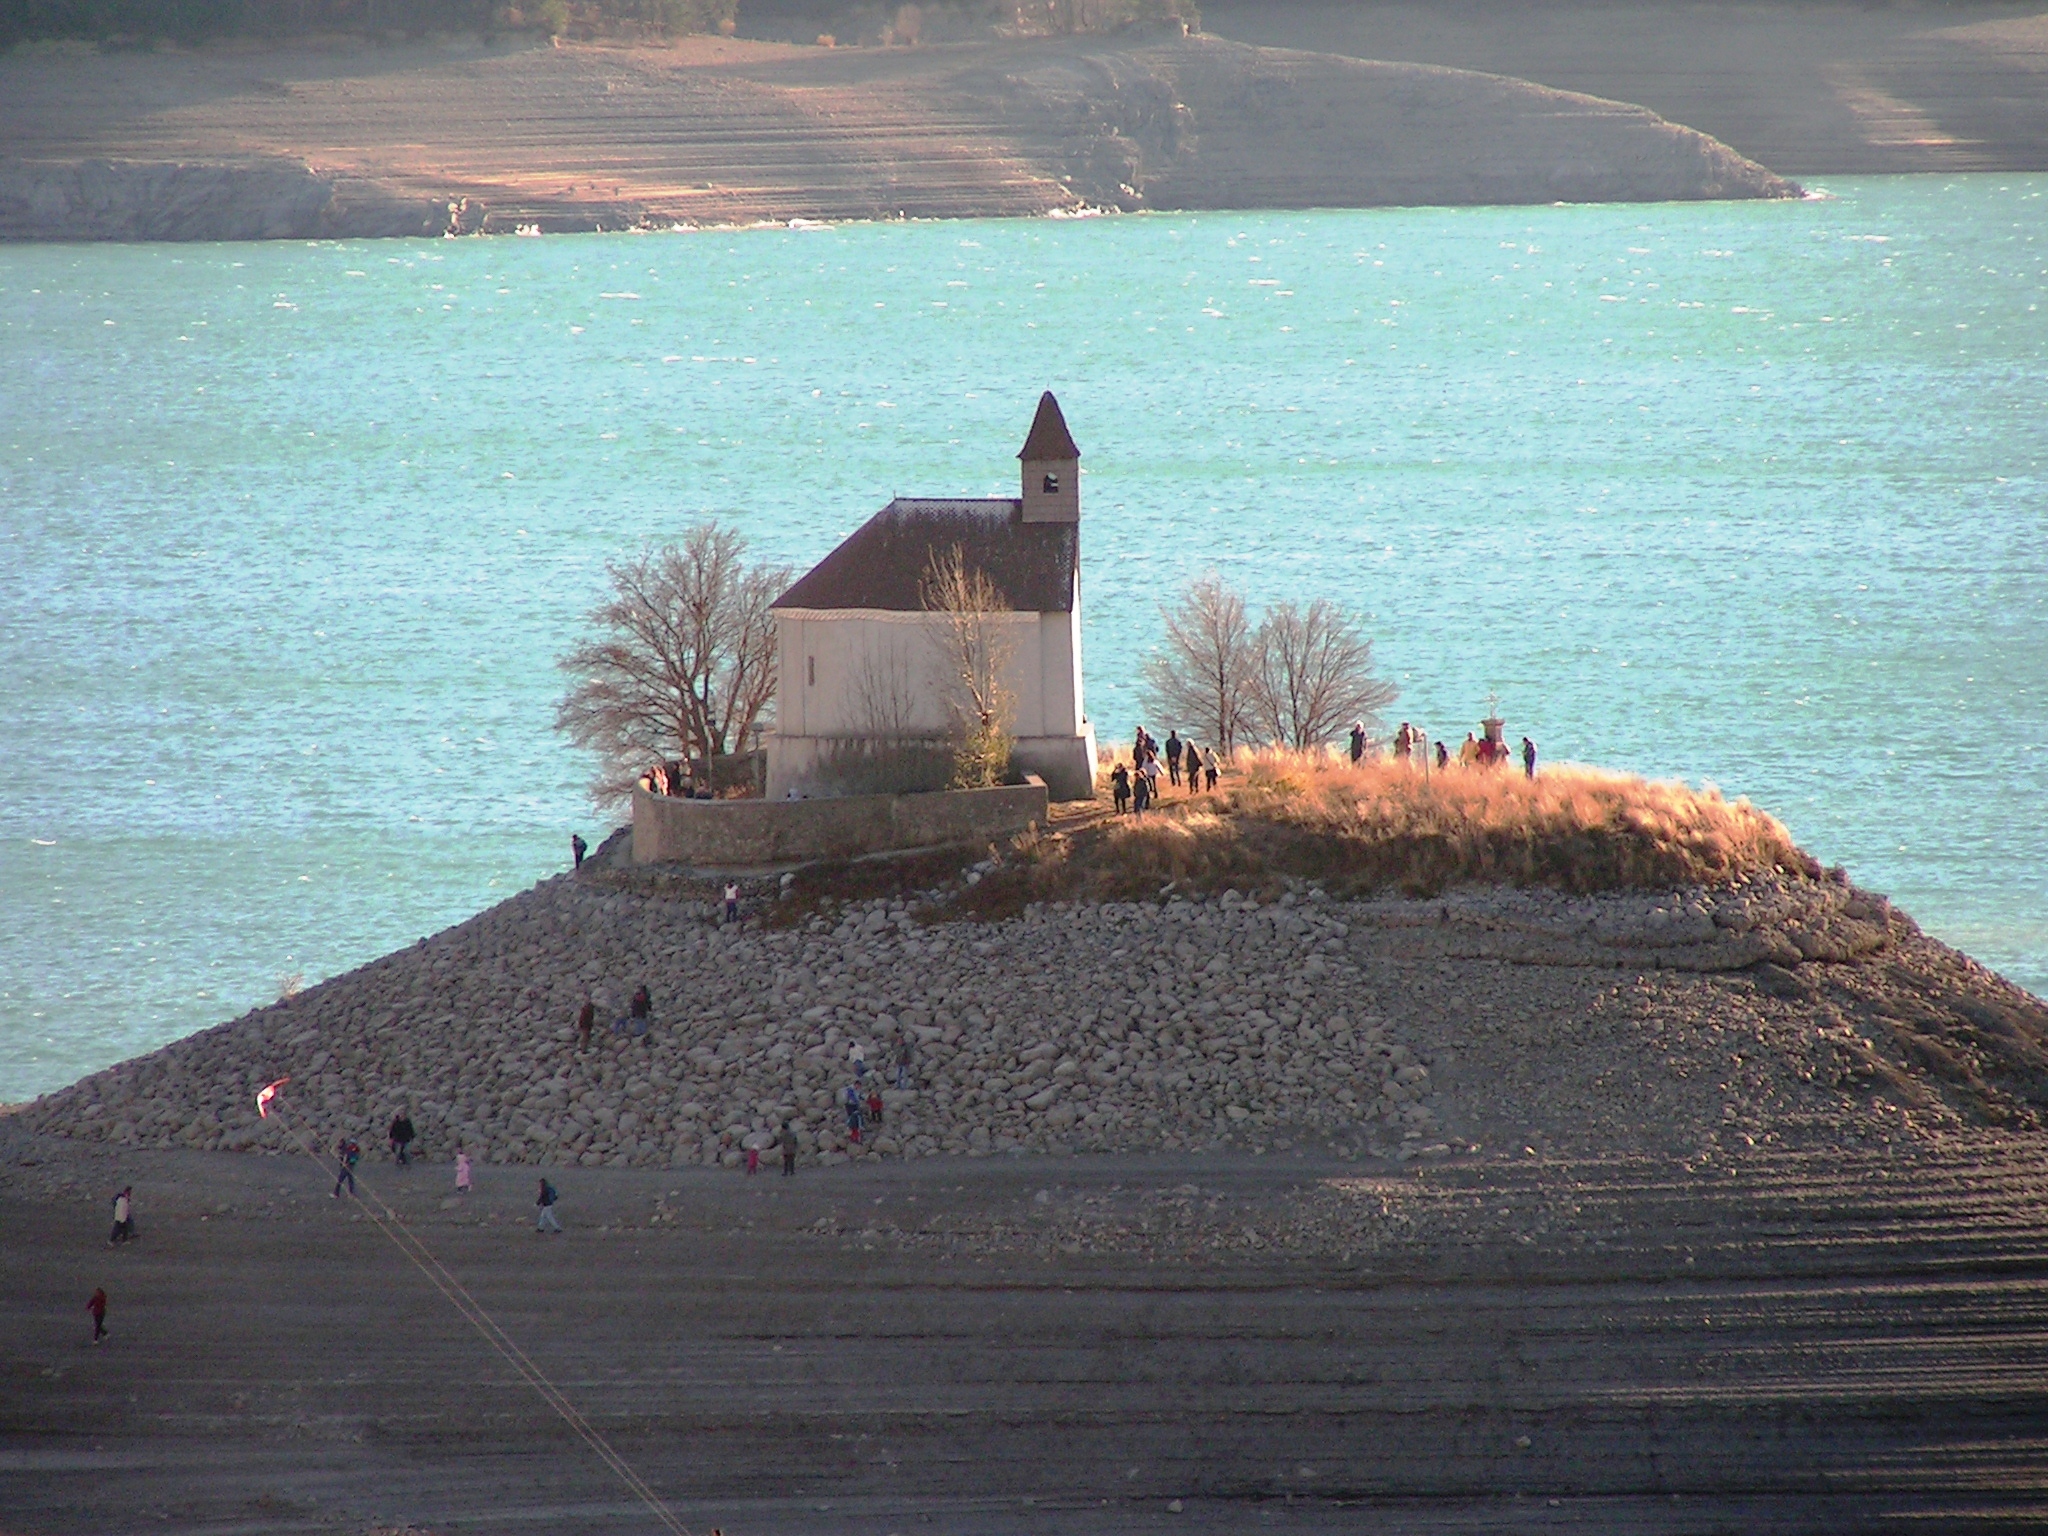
(1382, 826)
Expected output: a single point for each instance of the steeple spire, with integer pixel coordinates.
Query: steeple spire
(1052, 467)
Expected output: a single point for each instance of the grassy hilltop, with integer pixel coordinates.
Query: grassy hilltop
(1386, 826)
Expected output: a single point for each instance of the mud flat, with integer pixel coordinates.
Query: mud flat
(306, 142)
(1841, 1341)
(1694, 1210)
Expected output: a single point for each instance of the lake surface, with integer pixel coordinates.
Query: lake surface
(292, 534)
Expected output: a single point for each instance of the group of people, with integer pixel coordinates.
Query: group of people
(1134, 786)
(1487, 751)
(124, 1232)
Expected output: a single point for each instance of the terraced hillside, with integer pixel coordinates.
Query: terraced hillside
(225, 143)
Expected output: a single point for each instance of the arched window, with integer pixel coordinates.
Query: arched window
(1052, 485)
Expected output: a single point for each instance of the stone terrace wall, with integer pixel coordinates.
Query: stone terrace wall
(746, 834)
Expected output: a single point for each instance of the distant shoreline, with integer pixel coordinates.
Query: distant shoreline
(461, 138)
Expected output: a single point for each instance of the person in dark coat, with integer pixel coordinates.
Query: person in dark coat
(401, 1136)
(586, 1020)
(855, 1112)
(346, 1155)
(1528, 758)
(787, 1142)
(97, 1306)
(1173, 756)
(578, 847)
(1120, 788)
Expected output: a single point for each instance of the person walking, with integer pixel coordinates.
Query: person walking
(853, 1112)
(1528, 758)
(732, 901)
(1120, 788)
(1152, 777)
(1443, 756)
(1357, 741)
(1173, 748)
(1141, 792)
(124, 1221)
(1209, 765)
(97, 1306)
(906, 1060)
(1193, 759)
(753, 1157)
(401, 1136)
(874, 1116)
(578, 848)
(548, 1222)
(857, 1058)
(462, 1171)
(346, 1155)
(586, 1020)
(787, 1142)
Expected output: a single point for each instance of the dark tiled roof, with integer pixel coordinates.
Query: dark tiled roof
(1049, 437)
(882, 564)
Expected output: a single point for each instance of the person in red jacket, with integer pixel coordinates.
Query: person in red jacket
(98, 1308)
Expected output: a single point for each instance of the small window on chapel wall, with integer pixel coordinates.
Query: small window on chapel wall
(1052, 485)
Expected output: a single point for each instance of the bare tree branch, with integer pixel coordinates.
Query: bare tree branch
(975, 646)
(1203, 677)
(684, 660)
(1313, 675)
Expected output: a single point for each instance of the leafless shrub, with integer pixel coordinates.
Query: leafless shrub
(684, 661)
(288, 984)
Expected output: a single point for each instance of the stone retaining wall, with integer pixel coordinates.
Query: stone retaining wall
(748, 834)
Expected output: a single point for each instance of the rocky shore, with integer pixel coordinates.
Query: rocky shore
(1782, 1012)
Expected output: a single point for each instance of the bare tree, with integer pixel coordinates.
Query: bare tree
(684, 659)
(975, 644)
(1313, 675)
(1203, 677)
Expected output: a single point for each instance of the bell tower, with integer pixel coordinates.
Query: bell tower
(1052, 467)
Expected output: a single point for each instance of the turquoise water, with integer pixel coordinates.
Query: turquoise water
(291, 534)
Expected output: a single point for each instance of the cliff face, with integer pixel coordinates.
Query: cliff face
(301, 143)
(141, 200)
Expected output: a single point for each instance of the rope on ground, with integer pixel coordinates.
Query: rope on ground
(423, 1259)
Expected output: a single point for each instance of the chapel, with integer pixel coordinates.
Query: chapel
(861, 655)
